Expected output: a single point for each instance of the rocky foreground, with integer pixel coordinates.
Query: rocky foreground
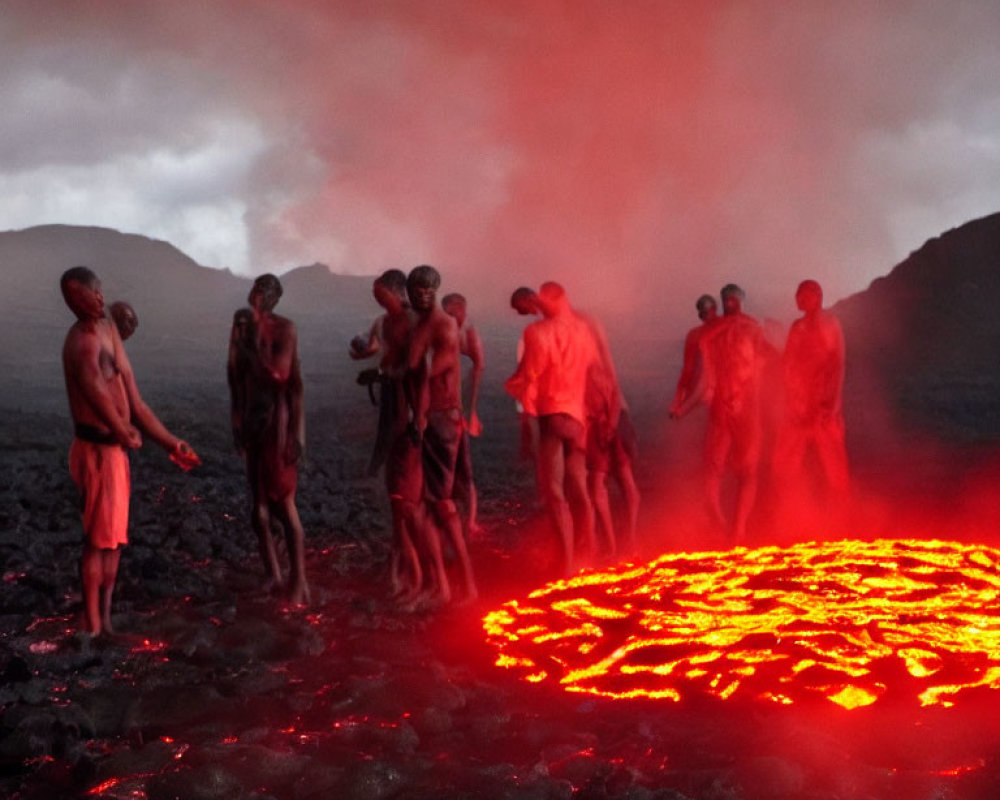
(213, 688)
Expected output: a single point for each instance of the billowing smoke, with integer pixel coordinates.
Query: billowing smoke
(641, 153)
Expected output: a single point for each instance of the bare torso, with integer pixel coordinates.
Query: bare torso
(93, 359)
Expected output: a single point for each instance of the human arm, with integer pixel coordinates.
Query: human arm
(688, 374)
(372, 346)
(474, 345)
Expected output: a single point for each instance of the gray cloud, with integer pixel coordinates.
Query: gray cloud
(640, 151)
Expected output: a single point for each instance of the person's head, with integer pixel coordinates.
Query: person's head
(265, 293)
(552, 298)
(389, 288)
(243, 325)
(809, 296)
(732, 298)
(421, 285)
(454, 305)
(707, 308)
(81, 290)
(524, 301)
(126, 320)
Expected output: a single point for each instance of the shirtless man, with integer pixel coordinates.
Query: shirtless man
(269, 425)
(551, 383)
(471, 346)
(733, 354)
(108, 413)
(125, 319)
(691, 370)
(611, 443)
(404, 476)
(813, 368)
(434, 358)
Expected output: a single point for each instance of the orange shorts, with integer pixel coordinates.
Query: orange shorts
(102, 477)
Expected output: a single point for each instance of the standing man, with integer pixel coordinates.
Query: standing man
(108, 414)
(434, 356)
(471, 346)
(551, 383)
(813, 369)
(269, 425)
(692, 368)
(733, 354)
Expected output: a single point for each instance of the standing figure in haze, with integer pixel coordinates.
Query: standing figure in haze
(108, 414)
(525, 302)
(434, 358)
(611, 444)
(734, 352)
(269, 425)
(125, 319)
(813, 369)
(692, 368)
(471, 346)
(404, 476)
(551, 383)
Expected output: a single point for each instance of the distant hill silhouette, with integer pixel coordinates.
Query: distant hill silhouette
(928, 336)
(185, 310)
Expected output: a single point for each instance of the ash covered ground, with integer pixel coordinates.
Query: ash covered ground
(215, 689)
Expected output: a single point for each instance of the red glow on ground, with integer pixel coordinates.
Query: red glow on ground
(849, 621)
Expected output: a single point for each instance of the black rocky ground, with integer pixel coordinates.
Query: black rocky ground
(216, 689)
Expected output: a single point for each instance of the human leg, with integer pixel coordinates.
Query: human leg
(92, 576)
(551, 473)
(295, 539)
(109, 574)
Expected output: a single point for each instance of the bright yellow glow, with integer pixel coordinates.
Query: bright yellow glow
(834, 619)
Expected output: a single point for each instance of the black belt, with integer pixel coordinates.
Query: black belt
(89, 433)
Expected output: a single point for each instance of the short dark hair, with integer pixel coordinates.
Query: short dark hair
(453, 299)
(732, 288)
(520, 295)
(269, 283)
(424, 275)
(76, 275)
(705, 300)
(394, 280)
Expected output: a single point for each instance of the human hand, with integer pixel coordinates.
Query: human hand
(475, 425)
(183, 456)
(132, 440)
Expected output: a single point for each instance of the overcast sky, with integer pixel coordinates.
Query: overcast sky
(649, 150)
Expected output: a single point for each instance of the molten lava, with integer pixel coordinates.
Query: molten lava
(850, 621)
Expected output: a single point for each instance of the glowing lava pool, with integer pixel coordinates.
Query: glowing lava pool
(854, 622)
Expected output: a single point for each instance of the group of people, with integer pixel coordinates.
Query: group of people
(575, 422)
(422, 439)
(726, 360)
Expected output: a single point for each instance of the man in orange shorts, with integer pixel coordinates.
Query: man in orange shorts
(108, 414)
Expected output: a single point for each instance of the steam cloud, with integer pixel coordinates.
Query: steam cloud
(640, 152)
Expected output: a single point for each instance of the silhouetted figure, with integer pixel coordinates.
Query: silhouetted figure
(551, 383)
(398, 445)
(692, 367)
(733, 355)
(611, 444)
(434, 358)
(525, 302)
(471, 346)
(269, 425)
(108, 413)
(125, 319)
(813, 369)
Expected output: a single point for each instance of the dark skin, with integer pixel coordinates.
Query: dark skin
(103, 394)
(264, 369)
(434, 354)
